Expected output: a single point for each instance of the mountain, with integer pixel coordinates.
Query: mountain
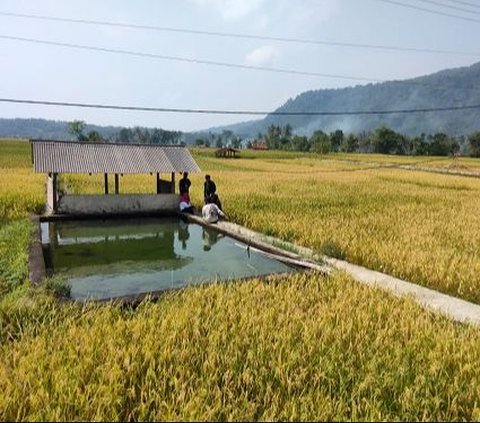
(447, 88)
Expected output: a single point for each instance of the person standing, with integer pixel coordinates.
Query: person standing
(209, 189)
(184, 184)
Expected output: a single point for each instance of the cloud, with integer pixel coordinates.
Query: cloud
(231, 10)
(259, 13)
(262, 56)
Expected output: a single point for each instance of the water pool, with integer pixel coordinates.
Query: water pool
(121, 257)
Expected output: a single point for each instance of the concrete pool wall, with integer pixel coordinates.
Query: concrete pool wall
(87, 205)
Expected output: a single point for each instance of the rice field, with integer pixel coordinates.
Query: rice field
(419, 226)
(306, 348)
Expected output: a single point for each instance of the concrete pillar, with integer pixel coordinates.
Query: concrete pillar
(52, 194)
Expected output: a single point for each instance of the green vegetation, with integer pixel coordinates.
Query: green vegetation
(303, 348)
(13, 255)
(307, 348)
(383, 140)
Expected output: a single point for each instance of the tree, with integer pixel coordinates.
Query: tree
(94, 136)
(76, 128)
(227, 135)
(320, 142)
(286, 137)
(365, 142)
(387, 141)
(156, 137)
(219, 143)
(420, 146)
(125, 135)
(336, 139)
(441, 145)
(236, 141)
(272, 137)
(199, 142)
(474, 144)
(350, 144)
(300, 143)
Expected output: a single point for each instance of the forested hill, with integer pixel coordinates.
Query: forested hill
(46, 129)
(447, 88)
(60, 130)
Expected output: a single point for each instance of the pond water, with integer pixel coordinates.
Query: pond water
(117, 257)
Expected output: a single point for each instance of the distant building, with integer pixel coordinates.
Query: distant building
(226, 152)
(259, 145)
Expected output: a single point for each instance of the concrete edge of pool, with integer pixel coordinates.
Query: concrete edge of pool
(454, 308)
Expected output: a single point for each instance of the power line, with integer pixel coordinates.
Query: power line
(466, 3)
(215, 63)
(187, 60)
(436, 3)
(240, 112)
(238, 35)
(429, 10)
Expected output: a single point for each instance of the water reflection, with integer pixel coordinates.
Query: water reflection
(91, 243)
(210, 238)
(117, 257)
(183, 233)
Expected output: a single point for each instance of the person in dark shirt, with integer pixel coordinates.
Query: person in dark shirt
(209, 189)
(184, 184)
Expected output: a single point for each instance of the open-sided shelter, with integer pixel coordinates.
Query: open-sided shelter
(57, 157)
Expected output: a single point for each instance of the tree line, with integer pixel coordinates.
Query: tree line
(136, 135)
(219, 140)
(383, 140)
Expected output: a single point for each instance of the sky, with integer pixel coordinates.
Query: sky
(178, 60)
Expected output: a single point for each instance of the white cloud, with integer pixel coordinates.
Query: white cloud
(231, 10)
(298, 16)
(262, 56)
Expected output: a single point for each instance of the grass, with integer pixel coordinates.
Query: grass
(305, 348)
(13, 255)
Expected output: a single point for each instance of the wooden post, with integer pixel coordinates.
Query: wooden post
(106, 183)
(172, 188)
(158, 183)
(116, 183)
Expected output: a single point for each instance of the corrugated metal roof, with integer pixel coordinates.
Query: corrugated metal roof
(89, 157)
